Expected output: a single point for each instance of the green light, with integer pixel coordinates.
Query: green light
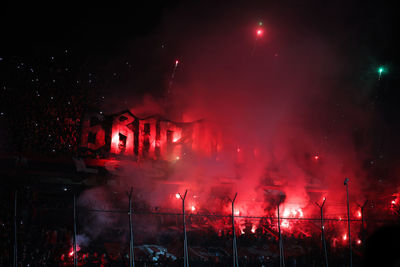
(381, 70)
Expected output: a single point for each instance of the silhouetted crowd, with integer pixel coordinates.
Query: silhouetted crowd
(44, 233)
(42, 104)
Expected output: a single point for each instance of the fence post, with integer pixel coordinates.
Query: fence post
(281, 255)
(15, 260)
(346, 183)
(234, 245)
(321, 207)
(185, 247)
(362, 221)
(131, 247)
(74, 241)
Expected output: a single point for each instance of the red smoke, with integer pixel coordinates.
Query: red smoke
(275, 128)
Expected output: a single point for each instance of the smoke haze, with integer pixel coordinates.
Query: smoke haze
(282, 108)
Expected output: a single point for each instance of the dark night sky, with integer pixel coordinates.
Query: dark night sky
(92, 26)
(362, 29)
(101, 36)
(104, 38)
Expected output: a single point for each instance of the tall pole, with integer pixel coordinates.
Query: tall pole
(75, 256)
(346, 183)
(131, 247)
(321, 207)
(185, 247)
(362, 220)
(234, 245)
(281, 255)
(15, 259)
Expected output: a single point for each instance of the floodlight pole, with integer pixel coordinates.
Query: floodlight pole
(234, 245)
(15, 259)
(346, 183)
(74, 237)
(321, 207)
(185, 247)
(281, 255)
(131, 247)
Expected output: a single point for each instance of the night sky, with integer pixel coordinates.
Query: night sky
(362, 30)
(152, 34)
(118, 53)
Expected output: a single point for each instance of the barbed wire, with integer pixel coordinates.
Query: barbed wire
(238, 216)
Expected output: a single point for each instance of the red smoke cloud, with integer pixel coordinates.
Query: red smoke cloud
(284, 121)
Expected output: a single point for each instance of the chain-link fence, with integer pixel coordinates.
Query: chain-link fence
(45, 235)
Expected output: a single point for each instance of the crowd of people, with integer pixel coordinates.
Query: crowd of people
(42, 105)
(45, 238)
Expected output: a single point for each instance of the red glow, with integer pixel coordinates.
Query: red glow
(71, 253)
(253, 229)
(345, 237)
(176, 62)
(122, 141)
(358, 242)
(260, 32)
(115, 141)
(292, 212)
(285, 224)
(176, 138)
(205, 145)
(300, 212)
